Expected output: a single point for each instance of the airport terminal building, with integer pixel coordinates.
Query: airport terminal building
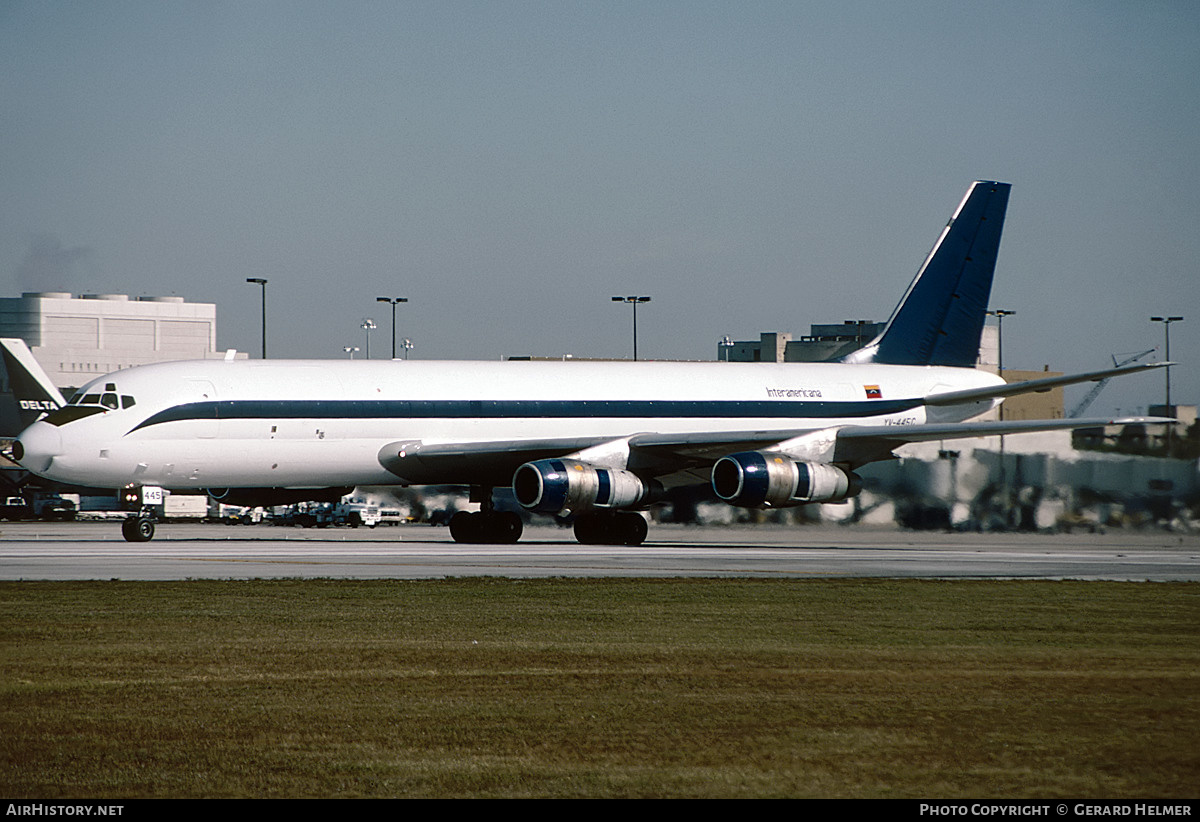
(79, 338)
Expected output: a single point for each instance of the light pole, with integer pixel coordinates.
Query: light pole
(368, 325)
(393, 301)
(1000, 314)
(1166, 321)
(407, 345)
(263, 283)
(350, 349)
(634, 302)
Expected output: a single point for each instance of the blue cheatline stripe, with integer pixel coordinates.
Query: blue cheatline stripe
(519, 409)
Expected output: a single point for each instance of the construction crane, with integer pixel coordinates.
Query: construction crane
(1099, 386)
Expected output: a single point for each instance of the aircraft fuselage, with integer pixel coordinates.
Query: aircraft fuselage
(313, 423)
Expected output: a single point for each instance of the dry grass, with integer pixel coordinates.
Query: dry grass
(599, 688)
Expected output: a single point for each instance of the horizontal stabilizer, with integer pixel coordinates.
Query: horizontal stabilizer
(958, 430)
(970, 395)
(860, 444)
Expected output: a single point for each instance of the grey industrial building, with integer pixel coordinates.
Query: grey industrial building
(78, 338)
(824, 343)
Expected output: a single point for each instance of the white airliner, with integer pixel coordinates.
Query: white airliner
(596, 442)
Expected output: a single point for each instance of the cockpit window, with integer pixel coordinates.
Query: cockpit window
(109, 399)
(85, 405)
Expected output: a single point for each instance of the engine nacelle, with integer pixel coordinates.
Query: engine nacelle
(565, 486)
(767, 479)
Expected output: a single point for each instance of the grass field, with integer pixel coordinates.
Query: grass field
(603, 688)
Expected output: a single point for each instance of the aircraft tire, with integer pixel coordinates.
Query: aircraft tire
(588, 529)
(504, 527)
(635, 529)
(508, 527)
(621, 528)
(138, 529)
(464, 528)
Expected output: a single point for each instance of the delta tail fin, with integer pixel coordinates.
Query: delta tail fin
(940, 319)
(26, 392)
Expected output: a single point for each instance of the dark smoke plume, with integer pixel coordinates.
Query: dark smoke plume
(49, 265)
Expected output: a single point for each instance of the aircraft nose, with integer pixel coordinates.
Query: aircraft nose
(37, 446)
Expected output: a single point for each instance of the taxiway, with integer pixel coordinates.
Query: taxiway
(94, 550)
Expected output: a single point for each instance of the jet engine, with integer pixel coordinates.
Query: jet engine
(566, 486)
(768, 479)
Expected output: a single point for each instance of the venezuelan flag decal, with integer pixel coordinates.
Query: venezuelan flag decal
(873, 392)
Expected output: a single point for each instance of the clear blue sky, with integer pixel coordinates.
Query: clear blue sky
(510, 166)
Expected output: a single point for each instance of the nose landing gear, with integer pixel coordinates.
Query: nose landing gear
(145, 501)
(138, 528)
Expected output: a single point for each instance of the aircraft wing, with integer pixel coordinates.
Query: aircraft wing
(689, 455)
(493, 463)
(851, 445)
(470, 463)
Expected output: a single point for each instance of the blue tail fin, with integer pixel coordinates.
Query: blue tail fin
(940, 319)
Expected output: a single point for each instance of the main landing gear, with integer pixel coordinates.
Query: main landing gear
(505, 527)
(486, 525)
(611, 528)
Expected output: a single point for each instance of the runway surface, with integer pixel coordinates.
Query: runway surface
(95, 550)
